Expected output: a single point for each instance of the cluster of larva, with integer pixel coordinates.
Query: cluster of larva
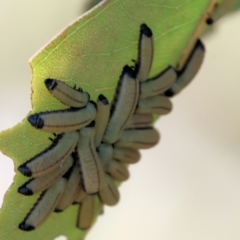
(94, 142)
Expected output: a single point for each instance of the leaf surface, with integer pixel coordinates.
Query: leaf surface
(90, 54)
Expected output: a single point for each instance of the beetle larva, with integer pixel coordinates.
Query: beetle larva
(158, 84)
(91, 168)
(126, 155)
(142, 138)
(103, 112)
(139, 120)
(118, 170)
(123, 106)
(109, 195)
(43, 207)
(64, 120)
(39, 184)
(66, 94)
(71, 189)
(145, 53)
(86, 212)
(189, 70)
(52, 157)
(154, 105)
(105, 153)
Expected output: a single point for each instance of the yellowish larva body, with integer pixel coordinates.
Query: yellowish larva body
(102, 117)
(123, 106)
(71, 189)
(118, 170)
(126, 155)
(105, 153)
(154, 105)
(86, 212)
(145, 53)
(66, 94)
(40, 184)
(91, 168)
(43, 207)
(109, 195)
(158, 84)
(48, 160)
(139, 120)
(80, 195)
(190, 69)
(138, 138)
(64, 120)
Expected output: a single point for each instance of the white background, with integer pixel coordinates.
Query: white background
(187, 187)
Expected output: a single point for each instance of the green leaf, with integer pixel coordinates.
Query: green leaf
(91, 53)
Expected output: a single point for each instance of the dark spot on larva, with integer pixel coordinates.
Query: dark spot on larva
(103, 99)
(50, 83)
(146, 30)
(26, 227)
(36, 121)
(25, 170)
(25, 191)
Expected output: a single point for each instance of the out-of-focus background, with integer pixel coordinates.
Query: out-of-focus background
(187, 187)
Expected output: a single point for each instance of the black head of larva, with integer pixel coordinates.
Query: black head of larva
(50, 83)
(36, 121)
(103, 99)
(129, 71)
(144, 29)
(25, 171)
(25, 191)
(26, 227)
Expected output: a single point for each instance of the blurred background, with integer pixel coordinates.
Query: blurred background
(187, 187)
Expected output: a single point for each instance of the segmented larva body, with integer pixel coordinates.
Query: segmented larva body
(52, 157)
(92, 172)
(68, 120)
(97, 141)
